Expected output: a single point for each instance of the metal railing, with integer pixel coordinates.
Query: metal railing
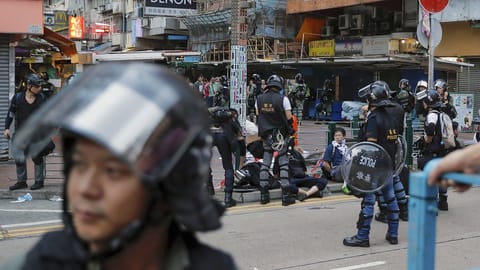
(422, 216)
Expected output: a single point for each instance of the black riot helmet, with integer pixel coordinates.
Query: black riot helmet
(376, 93)
(256, 78)
(404, 84)
(35, 80)
(156, 125)
(275, 81)
(433, 99)
(440, 83)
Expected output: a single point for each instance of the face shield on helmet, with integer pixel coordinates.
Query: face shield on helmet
(376, 93)
(404, 84)
(433, 99)
(156, 125)
(366, 167)
(440, 83)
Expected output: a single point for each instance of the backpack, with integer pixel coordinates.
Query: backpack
(446, 127)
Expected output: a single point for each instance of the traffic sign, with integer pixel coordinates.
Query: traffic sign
(433, 6)
(435, 34)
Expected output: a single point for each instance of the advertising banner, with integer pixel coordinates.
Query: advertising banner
(377, 45)
(170, 7)
(321, 48)
(348, 46)
(464, 105)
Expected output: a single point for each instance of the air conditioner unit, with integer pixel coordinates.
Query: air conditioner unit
(331, 21)
(108, 6)
(357, 22)
(327, 31)
(101, 8)
(344, 22)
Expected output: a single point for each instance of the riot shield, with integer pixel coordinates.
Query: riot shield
(366, 167)
(400, 154)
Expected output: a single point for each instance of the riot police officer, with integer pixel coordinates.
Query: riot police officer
(442, 87)
(224, 134)
(297, 93)
(432, 147)
(275, 128)
(382, 130)
(403, 96)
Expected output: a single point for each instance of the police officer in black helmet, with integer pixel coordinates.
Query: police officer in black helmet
(136, 155)
(380, 129)
(433, 148)
(275, 128)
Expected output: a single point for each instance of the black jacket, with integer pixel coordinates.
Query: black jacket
(58, 250)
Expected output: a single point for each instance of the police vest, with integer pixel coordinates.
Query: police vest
(271, 114)
(397, 114)
(387, 130)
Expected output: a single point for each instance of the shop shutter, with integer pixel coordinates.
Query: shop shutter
(4, 87)
(469, 82)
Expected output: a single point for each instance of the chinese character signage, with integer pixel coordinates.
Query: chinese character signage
(321, 48)
(170, 7)
(75, 27)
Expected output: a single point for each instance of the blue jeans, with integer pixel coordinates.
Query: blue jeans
(366, 214)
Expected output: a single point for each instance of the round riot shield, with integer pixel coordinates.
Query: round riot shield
(400, 154)
(366, 167)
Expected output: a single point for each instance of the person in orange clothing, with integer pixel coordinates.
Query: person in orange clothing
(295, 128)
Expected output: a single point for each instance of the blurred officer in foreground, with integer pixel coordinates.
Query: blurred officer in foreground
(136, 158)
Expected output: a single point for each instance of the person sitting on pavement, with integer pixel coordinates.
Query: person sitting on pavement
(134, 175)
(333, 155)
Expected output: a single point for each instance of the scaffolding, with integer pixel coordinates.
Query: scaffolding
(261, 25)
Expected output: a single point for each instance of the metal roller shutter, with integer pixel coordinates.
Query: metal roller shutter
(4, 88)
(469, 82)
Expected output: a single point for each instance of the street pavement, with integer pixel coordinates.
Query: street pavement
(312, 138)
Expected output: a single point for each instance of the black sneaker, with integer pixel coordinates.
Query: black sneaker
(403, 216)
(354, 241)
(19, 185)
(392, 240)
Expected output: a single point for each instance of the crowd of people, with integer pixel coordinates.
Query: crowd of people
(164, 202)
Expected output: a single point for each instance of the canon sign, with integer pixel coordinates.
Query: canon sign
(187, 4)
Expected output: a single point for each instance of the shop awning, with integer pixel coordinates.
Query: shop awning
(378, 62)
(65, 45)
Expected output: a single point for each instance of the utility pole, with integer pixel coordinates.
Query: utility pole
(238, 58)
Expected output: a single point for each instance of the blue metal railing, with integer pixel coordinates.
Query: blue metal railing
(422, 216)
